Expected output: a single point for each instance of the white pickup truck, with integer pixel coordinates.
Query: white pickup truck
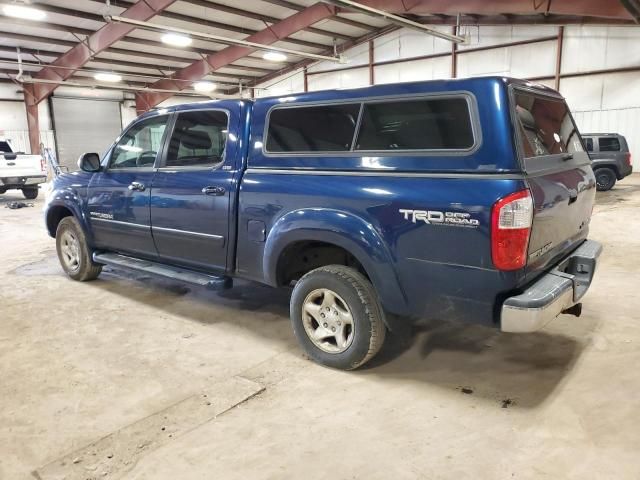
(19, 171)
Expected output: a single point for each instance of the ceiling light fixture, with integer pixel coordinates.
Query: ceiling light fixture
(107, 77)
(22, 11)
(176, 39)
(204, 87)
(274, 56)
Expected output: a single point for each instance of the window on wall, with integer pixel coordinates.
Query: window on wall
(609, 144)
(198, 139)
(325, 128)
(588, 142)
(546, 126)
(139, 145)
(420, 124)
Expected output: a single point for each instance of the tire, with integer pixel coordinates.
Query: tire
(336, 293)
(605, 179)
(73, 252)
(30, 193)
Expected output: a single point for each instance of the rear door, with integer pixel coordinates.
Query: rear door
(192, 189)
(558, 172)
(118, 196)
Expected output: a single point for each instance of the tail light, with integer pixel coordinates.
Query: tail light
(43, 164)
(511, 219)
(629, 159)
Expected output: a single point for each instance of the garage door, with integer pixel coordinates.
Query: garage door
(84, 125)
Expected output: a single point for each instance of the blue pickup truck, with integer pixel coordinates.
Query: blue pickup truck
(463, 199)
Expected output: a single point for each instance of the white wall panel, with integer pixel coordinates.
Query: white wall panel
(13, 115)
(358, 55)
(584, 48)
(488, 35)
(428, 69)
(486, 62)
(532, 60)
(358, 77)
(624, 121)
(408, 43)
(291, 83)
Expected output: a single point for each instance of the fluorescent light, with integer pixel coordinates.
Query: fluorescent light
(274, 56)
(176, 39)
(22, 11)
(204, 87)
(107, 77)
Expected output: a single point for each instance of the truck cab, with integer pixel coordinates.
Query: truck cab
(460, 199)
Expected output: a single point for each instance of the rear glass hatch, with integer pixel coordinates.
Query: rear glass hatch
(558, 173)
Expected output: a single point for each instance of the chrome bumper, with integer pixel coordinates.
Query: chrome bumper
(19, 181)
(553, 293)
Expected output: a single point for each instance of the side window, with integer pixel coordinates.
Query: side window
(198, 140)
(609, 144)
(420, 124)
(140, 144)
(588, 141)
(546, 126)
(323, 128)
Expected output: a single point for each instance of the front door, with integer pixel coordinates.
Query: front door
(118, 196)
(191, 191)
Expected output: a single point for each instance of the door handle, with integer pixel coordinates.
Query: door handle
(136, 186)
(216, 191)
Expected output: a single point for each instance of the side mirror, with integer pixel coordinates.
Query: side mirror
(89, 162)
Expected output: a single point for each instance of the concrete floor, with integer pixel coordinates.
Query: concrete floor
(139, 378)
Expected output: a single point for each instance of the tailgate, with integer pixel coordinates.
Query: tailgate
(558, 172)
(19, 165)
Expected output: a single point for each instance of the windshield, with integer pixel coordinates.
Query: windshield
(546, 126)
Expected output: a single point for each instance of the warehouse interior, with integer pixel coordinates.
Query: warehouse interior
(133, 376)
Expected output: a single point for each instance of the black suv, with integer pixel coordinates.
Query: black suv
(610, 158)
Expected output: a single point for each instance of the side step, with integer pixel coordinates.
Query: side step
(212, 282)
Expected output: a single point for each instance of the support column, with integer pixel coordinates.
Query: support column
(454, 55)
(305, 77)
(372, 79)
(32, 118)
(559, 56)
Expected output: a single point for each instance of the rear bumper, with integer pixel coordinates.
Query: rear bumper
(625, 170)
(553, 293)
(19, 182)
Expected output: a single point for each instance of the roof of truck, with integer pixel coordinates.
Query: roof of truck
(445, 85)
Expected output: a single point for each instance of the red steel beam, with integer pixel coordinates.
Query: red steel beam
(98, 41)
(197, 70)
(595, 8)
(33, 123)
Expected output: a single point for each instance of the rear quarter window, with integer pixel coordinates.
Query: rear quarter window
(419, 124)
(609, 144)
(319, 128)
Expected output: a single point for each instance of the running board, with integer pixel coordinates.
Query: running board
(212, 282)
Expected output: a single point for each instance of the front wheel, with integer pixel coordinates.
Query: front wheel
(73, 252)
(605, 179)
(337, 317)
(30, 193)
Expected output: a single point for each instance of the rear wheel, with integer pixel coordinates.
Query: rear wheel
(73, 252)
(605, 179)
(31, 193)
(337, 317)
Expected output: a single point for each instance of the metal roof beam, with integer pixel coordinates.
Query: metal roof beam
(134, 40)
(395, 19)
(198, 21)
(299, 8)
(270, 35)
(261, 17)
